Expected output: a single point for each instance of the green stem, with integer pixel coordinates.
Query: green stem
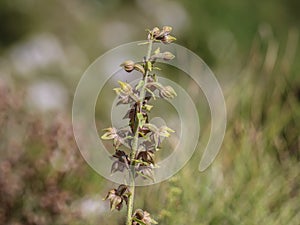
(143, 91)
(132, 175)
(135, 144)
(149, 50)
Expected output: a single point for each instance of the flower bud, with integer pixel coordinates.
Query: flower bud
(155, 31)
(168, 92)
(128, 65)
(139, 214)
(167, 39)
(168, 56)
(167, 30)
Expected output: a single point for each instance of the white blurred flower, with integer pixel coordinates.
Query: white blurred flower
(90, 206)
(47, 95)
(37, 52)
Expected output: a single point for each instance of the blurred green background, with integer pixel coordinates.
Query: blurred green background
(253, 49)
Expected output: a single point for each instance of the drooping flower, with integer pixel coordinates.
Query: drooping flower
(121, 163)
(117, 197)
(141, 217)
(112, 133)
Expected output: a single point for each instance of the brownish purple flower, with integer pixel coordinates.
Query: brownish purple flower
(117, 197)
(141, 217)
(121, 163)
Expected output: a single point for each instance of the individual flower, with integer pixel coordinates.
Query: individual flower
(145, 171)
(165, 56)
(158, 133)
(117, 197)
(167, 30)
(121, 163)
(146, 156)
(154, 33)
(113, 134)
(144, 163)
(125, 93)
(141, 217)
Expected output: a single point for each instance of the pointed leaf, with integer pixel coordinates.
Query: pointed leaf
(140, 116)
(156, 68)
(139, 68)
(152, 93)
(149, 65)
(117, 90)
(125, 86)
(139, 221)
(153, 221)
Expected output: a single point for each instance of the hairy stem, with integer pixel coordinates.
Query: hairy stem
(135, 144)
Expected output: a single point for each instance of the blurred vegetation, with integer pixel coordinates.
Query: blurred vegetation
(253, 48)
